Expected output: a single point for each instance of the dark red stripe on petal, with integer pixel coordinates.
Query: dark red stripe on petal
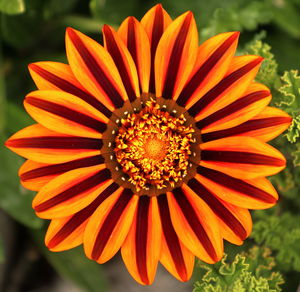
(203, 71)
(236, 185)
(240, 157)
(131, 40)
(218, 208)
(141, 237)
(248, 126)
(233, 107)
(191, 217)
(157, 31)
(96, 70)
(171, 236)
(60, 168)
(75, 190)
(80, 217)
(225, 83)
(68, 87)
(67, 113)
(53, 142)
(114, 51)
(110, 222)
(175, 58)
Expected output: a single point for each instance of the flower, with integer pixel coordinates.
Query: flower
(151, 144)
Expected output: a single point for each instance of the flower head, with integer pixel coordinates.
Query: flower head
(150, 144)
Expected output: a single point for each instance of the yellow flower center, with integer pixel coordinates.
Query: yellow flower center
(153, 147)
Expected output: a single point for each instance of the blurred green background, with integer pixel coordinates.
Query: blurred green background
(33, 30)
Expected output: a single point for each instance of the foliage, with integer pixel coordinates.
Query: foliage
(249, 271)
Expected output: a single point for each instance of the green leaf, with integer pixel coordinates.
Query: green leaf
(75, 266)
(15, 199)
(249, 271)
(268, 71)
(12, 6)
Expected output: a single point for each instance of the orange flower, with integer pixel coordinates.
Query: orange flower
(151, 144)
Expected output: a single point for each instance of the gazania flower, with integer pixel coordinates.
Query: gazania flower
(150, 144)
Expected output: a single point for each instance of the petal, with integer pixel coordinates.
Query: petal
(265, 126)
(135, 38)
(66, 233)
(235, 222)
(256, 193)
(109, 225)
(242, 157)
(141, 249)
(195, 224)
(59, 76)
(42, 145)
(175, 56)
(253, 101)
(95, 69)
(213, 60)
(35, 175)
(155, 22)
(241, 72)
(71, 191)
(123, 60)
(175, 257)
(65, 113)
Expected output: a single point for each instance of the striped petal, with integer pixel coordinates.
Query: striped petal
(241, 73)
(265, 126)
(141, 249)
(242, 157)
(175, 56)
(213, 60)
(256, 193)
(135, 38)
(95, 69)
(35, 175)
(59, 76)
(175, 257)
(109, 225)
(253, 101)
(66, 233)
(71, 191)
(123, 60)
(42, 145)
(65, 113)
(155, 22)
(195, 224)
(235, 222)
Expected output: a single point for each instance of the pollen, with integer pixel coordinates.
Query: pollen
(153, 147)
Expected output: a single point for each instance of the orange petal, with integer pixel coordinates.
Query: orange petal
(195, 224)
(66, 233)
(42, 145)
(175, 56)
(265, 126)
(175, 257)
(141, 249)
(109, 225)
(242, 157)
(241, 73)
(71, 191)
(65, 113)
(95, 69)
(235, 222)
(253, 101)
(35, 175)
(155, 22)
(123, 60)
(58, 76)
(135, 38)
(213, 60)
(255, 193)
